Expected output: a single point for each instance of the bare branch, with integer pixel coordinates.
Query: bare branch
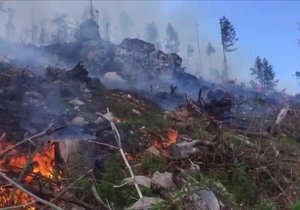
(28, 192)
(17, 207)
(118, 140)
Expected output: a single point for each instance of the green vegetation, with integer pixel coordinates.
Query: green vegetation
(200, 134)
(151, 164)
(296, 206)
(263, 73)
(243, 188)
(113, 175)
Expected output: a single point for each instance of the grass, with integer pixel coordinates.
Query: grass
(151, 164)
(200, 134)
(233, 185)
(296, 206)
(114, 173)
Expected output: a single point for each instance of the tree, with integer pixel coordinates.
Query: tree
(105, 23)
(228, 39)
(263, 73)
(257, 70)
(60, 21)
(126, 24)
(107, 32)
(172, 40)
(268, 75)
(9, 25)
(297, 75)
(42, 37)
(210, 50)
(151, 33)
(189, 51)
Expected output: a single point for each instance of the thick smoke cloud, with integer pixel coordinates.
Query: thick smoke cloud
(116, 16)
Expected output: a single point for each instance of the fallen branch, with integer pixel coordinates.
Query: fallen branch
(119, 144)
(64, 190)
(48, 194)
(18, 207)
(104, 144)
(25, 170)
(252, 134)
(46, 132)
(98, 198)
(15, 184)
(276, 183)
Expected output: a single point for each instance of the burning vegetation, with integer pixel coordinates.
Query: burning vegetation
(86, 144)
(142, 133)
(31, 168)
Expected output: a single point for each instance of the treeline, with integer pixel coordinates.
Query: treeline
(60, 30)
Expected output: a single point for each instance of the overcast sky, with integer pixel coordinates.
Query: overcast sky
(264, 28)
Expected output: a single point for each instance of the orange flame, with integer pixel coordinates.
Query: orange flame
(163, 145)
(43, 166)
(129, 156)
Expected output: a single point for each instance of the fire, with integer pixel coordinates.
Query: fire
(163, 145)
(43, 166)
(129, 156)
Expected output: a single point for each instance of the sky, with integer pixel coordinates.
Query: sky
(264, 28)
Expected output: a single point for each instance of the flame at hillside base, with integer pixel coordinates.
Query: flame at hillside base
(42, 169)
(163, 145)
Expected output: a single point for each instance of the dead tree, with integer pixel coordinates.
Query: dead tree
(173, 88)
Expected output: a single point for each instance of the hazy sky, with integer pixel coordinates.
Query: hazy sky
(264, 28)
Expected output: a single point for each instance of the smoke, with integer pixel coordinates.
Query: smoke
(183, 15)
(128, 18)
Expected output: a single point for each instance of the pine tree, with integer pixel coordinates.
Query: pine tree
(106, 26)
(9, 25)
(228, 39)
(257, 70)
(151, 33)
(60, 21)
(268, 75)
(126, 24)
(210, 50)
(189, 51)
(263, 73)
(172, 40)
(42, 37)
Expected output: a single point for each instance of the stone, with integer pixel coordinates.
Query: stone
(163, 180)
(152, 152)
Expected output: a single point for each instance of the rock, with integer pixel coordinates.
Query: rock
(136, 112)
(163, 180)
(95, 83)
(79, 121)
(76, 102)
(52, 73)
(146, 203)
(140, 180)
(137, 45)
(184, 149)
(152, 152)
(79, 73)
(203, 199)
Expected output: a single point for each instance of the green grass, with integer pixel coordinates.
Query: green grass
(151, 164)
(200, 134)
(296, 206)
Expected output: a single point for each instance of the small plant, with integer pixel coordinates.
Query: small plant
(200, 134)
(243, 187)
(159, 205)
(265, 204)
(113, 175)
(151, 164)
(296, 206)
